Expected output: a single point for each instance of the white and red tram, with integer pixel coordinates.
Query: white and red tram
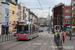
(26, 30)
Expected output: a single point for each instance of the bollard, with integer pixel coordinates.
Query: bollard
(2, 38)
(5, 38)
(9, 37)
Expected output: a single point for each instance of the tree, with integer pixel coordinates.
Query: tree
(73, 18)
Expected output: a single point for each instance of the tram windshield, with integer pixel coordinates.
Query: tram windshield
(22, 28)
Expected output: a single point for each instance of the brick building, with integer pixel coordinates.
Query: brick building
(58, 15)
(67, 12)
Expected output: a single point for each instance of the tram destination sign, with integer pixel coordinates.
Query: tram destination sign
(22, 23)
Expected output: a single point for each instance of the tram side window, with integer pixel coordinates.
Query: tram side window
(37, 30)
(33, 29)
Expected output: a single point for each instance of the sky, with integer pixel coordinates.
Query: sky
(35, 7)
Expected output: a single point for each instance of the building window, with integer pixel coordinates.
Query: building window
(7, 12)
(67, 21)
(67, 11)
(67, 16)
(12, 12)
(74, 5)
(18, 6)
(6, 19)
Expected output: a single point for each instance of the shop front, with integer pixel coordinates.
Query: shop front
(5, 28)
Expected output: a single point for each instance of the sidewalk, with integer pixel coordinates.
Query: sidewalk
(69, 44)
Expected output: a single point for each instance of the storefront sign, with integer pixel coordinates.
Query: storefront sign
(4, 23)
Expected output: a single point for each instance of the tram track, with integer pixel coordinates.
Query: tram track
(18, 44)
(41, 44)
(15, 45)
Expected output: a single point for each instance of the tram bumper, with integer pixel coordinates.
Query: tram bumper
(22, 38)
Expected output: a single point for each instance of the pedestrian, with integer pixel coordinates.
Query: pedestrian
(55, 30)
(48, 30)
(52, 30)
(63, 36)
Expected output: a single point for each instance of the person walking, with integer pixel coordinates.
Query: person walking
(48, 30)
(63, 36)
(52, 30)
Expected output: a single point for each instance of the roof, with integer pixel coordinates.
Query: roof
(58, 5)
(33, 14)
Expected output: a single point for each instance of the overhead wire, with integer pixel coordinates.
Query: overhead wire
(40, 4)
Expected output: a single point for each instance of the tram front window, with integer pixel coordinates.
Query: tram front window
(23, 29)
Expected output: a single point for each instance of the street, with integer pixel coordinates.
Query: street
(37, 24)
(45, 41)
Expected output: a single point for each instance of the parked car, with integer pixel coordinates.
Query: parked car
(40, 30)
(14, 32)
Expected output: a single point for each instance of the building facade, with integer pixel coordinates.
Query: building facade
(21, 12)
(5, 15)
(18, 13)
(27, 13)
(73, 12)
(42, 21)
(0, 17)
(24, 14)
(67, 13)
(33, 18)
(12, 14)
(58, 15)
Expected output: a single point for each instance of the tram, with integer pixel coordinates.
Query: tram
(26, 30)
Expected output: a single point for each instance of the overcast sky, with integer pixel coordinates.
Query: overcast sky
(34, 5)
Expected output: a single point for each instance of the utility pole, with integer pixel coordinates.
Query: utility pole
(49, 11)
(71, 21)
(57, 19)
(49, 15)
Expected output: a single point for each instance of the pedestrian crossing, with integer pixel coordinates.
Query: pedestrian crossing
(46, 34)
